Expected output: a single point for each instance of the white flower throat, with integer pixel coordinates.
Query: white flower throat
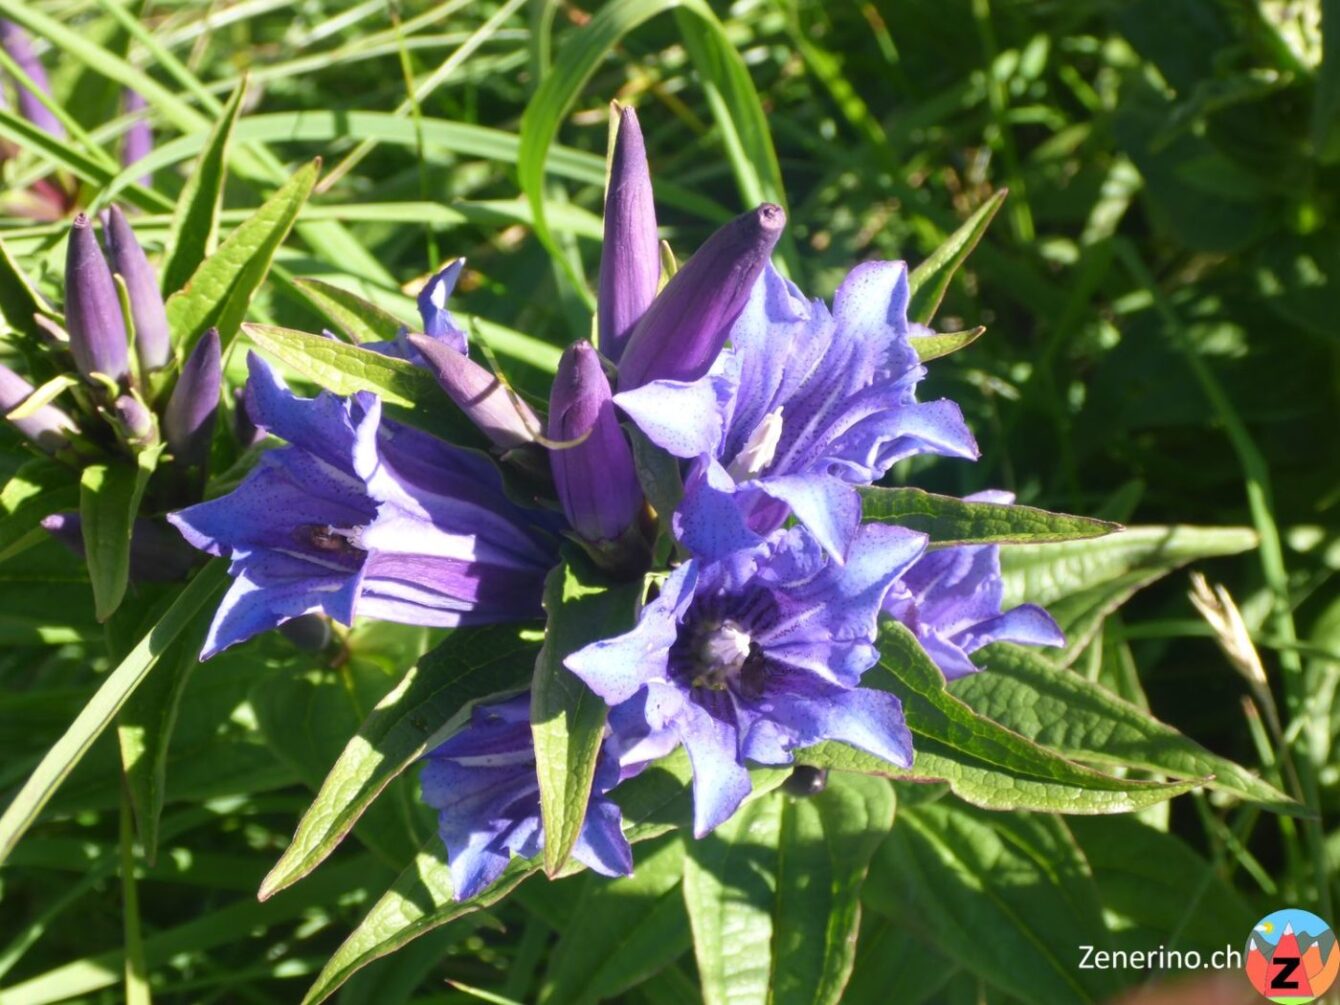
(725, 654)
(760, 449)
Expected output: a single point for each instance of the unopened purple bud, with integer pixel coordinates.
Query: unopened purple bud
(136, 421)
(20, 48)
(139, 138)
(188, 422)
(47, 427)
(157, 553)
(630, 260)
(152, 342)
(92, 308)
(506, 420)
(596, 480)
(687, 324)
(437, 320)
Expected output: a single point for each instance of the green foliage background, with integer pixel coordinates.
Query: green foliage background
(1160, 296)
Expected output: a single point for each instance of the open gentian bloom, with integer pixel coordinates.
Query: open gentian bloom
(803, 406)
(750, 658)
(484, 785)
(358, 516)
(951, 600)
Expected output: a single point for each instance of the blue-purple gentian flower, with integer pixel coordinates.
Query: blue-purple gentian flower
(360, 516)
(803, 406)
(484, 784)
(951, 599)
(754, 656)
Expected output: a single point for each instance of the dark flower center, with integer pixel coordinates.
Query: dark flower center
(721, 655)
(333, 540)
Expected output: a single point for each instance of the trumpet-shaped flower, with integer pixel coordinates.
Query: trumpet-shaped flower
(804, 405)
(484, 784)
(358, 516)
(951, 599)
(752, 657)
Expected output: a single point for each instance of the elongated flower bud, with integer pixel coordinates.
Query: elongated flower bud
(188, 422)
(152, 343)
(157, 552)
(92, 308)
(137, 424)
(139, 139)
(630, 260)
(596, 480)
(684, 329)
(47, 426)
(20, 48)
(506, 420)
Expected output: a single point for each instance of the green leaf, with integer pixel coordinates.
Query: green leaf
(346, 369)
(738, 112)
(19, 299)
(948, 520)
(39, 488)
(431, 703)
(1152, 884)
(220, 290)
(1083, 582)
(195, 224)
(984, 762)
(144, 731)
(102, 708)
(631, 927)
(1067, 713)
(567, 717)
(361, 320)
(419, 901)
(827, 842)
(309, 717)
(1009, 897)
(939, 344)
(1051, 572)
(109, 498)
(929, 280)
(730, 888)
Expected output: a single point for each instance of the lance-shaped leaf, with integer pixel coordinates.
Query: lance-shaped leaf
(631, 927)
(429, 705)
(773, 894)
(567, 717)
(195, 224)
(1082, 582)
(220, 290)
(948, 520)
(109, 498)
(19, 300)
(961, 873)
(99, 712)
(938, 344)
(983, 761)
(1075, 717)
(929, 280)
(346, 369)
(361, 320)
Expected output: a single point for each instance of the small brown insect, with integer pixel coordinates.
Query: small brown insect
(329, 539)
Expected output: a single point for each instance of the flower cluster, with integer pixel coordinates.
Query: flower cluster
(754, 638)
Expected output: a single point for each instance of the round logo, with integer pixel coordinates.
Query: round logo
(1291, 956)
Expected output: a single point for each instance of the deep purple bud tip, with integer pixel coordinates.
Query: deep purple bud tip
(153, 345)
(595, 478)
(686, 326)
(188, 421)
(630, 261)
(92, 308)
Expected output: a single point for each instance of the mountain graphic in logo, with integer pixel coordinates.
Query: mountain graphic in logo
(1291, 957)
